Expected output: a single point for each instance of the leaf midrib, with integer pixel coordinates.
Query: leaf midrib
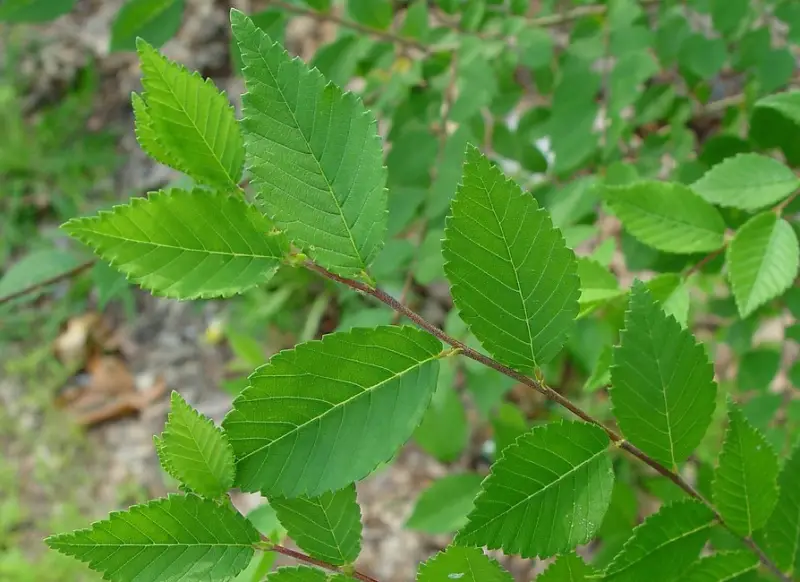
(314, 157)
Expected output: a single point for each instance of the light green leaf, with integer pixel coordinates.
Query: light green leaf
(184, 244)
(567, 568)
(148, 138)
(324, 414)
(668, 217)
(195, 452)
(535, 47)
(18, 11)
(314, 153)
(416, 22)
(298, 574)
(671, 291)
(34, 269)
(444, 505)
(762, 261)
(783, 527)
(747, 181)
(786, 103)
(745, 490)
(444, 432)
(663, 389)
(328, 527)
(156, 21)
(721, 567)
(513, 278)
(598, 285)
(546, 494)
(166, 540)
(193, 120)
(664, 546)
(464, 565)
(373, 13)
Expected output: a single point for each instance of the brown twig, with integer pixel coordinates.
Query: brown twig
(549, 393)
(314, 562)
(41, 284)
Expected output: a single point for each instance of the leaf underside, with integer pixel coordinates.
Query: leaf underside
(328, 527)
(314, 153)
(166, 540)
(546, 494)
(663, 391)
(326, 413)
(462, 564)
(513, 279)
(185, 244)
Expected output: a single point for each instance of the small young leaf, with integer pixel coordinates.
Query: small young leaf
(156, 21)
(328, 527)
(513, 278)
(762, 261)
(668, 217)
(193, 120)
(443, 507)
(721, 567)
(663, 389)
(324, 414)
(464, 565)
(744, 487)
(174, 538)
(315, 155)
(195, 452)
(568, 568)
(215, 245)
(747, 182)
(783, 527)
(546, 494)
(664, 545)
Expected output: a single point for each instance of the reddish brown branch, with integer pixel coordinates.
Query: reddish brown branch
(41, 284)
(300, 557)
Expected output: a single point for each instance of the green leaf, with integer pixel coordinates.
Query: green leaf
(320, 5)
(156, 21)
(416, 22)
(147, 136)
(18, 11)
(598, 285)
(443, 507)
(546, 494)
(703, 56)
(298, 574)
(464, 565)
(328, 527)
(184, 244)
(535, 47)
(273, 21)
(373, 13)
(195, 452)
(513, 279)
(315, 155)
(787, 104)
(34, 269)
(444, 432)
(663, 389)
(195, 122)
(567, 568)
(747, 182)
(326, 413)
(664, 545)
(762, 261)
(744, 487)
(721, 567)
(165, 540)
(783, 527)
(668, 217)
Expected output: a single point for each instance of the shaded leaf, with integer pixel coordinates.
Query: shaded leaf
(443, 507)
(18, 11)
(326, 413)
(156, 21)
(664, 545)
(193, 120)
(328, 527)
(185, 244)
(783, 527)
(747, 181)
(663, 389)
(546, 494)
(165, 540)
(315, 155)
(666, 216)
(194, 451)
(762, 261)
(373, 13)
(513, 278)
(444, 432)
(786, 103)
(34, 269)
(464, 565)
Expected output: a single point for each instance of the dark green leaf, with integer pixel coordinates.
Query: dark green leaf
(443, 507)
(156, 21)
(464, 565)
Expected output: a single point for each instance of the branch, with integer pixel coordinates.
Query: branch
(314, 562)
(549, 393)
(330, 17)
(36, 286)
